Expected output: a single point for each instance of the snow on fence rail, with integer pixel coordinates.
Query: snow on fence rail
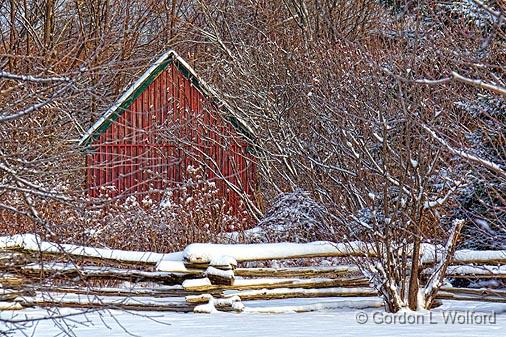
(206, 253)
(32, 242)
(206, 277)
(230, 254)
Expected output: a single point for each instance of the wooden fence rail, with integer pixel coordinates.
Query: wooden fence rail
(206, 277)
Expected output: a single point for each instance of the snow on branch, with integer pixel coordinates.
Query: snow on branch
(30, 78)
(436, 279)
(454, 76)
(32, 188)
(492, 12)
(5, 117)
(483, 162)
(479, 84)
(440, 201)
(418, 81)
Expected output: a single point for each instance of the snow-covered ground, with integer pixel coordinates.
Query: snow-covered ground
(320, 323)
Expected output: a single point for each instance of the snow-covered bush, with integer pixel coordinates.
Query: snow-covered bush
(191, 213)
(295, 217)
(470, 11)
(478, 201)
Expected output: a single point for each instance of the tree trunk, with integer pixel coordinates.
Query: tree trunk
(49, 24)
(414, 280)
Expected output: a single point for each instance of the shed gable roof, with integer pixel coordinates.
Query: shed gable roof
(136, 89)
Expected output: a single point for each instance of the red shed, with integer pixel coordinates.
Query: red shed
(167, 120)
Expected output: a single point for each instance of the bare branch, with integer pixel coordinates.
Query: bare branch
(30, 78)
(479, 84)
(5, 117)
(436, 280)
(483, 162)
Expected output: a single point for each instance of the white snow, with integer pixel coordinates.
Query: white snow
(206, 252)
(471, 256)
(255, 232)
(301, 291)
(255, 321)
(477, 270)
(463, 256)
(207, 308)
(102, 300)
(323, 306)
(234, 302)
(175, 267)
(34, 243)
(223, 261)
(199, 282)
(230, 254)
(10, 306)
(227, 274)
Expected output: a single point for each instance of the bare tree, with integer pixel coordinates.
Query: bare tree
(372, 125)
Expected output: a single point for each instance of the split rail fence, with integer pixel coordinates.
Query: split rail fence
(208, 277)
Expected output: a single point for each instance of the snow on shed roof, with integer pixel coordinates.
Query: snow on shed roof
(147, 78)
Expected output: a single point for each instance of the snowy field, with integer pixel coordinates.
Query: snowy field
(321, 323)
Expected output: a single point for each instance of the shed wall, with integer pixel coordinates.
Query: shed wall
(169, 127)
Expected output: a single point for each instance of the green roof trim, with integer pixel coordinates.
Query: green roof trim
(126, 104)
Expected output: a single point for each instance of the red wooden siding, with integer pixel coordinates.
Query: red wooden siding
(170, 126)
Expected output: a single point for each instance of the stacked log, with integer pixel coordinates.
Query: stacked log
(50, 279)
